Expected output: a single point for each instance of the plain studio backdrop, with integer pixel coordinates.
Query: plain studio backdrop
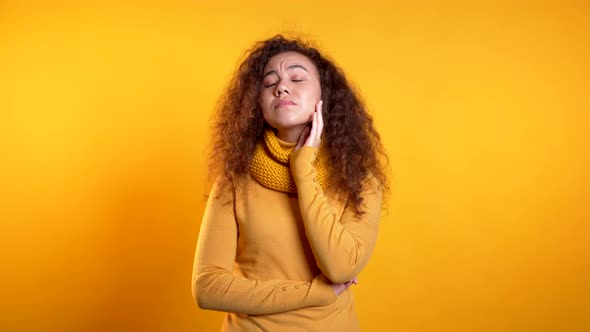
(483, 108)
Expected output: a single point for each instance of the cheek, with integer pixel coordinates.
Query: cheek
(315, 93)
(267, 112)
(264, 102)
(313, 96)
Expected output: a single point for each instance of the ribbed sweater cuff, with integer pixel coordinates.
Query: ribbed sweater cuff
(321, 292)
(302, 161)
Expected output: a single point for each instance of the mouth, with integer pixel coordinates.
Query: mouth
(285, 102)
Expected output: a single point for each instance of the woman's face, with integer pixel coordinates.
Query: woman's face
(289, 94)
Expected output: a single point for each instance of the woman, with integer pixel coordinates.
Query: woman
(293, 214)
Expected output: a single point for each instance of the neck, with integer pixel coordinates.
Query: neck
(290, 134)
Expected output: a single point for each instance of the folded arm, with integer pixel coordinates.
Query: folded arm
(215, 287)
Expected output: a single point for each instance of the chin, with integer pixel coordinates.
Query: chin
(288, 123)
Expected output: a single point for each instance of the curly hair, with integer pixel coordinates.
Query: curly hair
(354, 146)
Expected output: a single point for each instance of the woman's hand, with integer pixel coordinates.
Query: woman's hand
(339, 288)
(312, 136)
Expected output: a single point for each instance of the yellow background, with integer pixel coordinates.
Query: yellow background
(483, 108)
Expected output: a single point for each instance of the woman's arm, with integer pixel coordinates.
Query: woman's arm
(214, 286)
(341, 247)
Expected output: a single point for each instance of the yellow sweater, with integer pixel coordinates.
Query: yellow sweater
(267, 258)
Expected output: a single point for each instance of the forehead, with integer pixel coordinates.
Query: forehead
(282, 61)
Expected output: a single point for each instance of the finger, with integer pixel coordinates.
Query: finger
(337, 289)
(319, 123)
(303, 137)
(314, 125)
(311, 138)
(320, 118)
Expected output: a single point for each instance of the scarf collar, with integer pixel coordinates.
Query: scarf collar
(270, 164)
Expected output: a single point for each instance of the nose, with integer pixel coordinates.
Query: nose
(281, 88)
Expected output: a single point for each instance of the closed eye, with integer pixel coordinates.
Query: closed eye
(273, 84)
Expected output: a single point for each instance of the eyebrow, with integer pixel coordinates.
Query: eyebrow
(290, 67)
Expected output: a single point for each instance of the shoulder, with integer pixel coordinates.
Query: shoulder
(222, 190)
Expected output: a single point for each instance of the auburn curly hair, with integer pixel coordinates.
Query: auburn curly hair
(354, 146)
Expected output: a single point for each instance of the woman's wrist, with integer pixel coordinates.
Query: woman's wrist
(301, 161)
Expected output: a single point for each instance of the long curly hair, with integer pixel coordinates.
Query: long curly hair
(354, 146)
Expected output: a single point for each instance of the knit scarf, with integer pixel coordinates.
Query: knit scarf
(270, 165)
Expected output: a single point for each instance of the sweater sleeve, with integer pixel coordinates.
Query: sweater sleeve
(341, 246)
(214, 286)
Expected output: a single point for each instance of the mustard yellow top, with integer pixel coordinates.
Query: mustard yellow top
(268, 257)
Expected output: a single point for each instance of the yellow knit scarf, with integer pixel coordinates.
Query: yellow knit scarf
(270, 165)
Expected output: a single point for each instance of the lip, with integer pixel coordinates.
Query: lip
(285, 102)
